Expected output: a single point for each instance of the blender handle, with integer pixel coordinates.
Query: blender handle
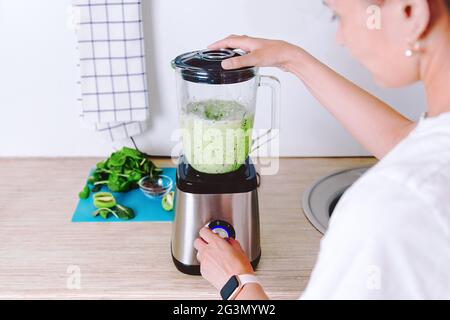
(275, 86)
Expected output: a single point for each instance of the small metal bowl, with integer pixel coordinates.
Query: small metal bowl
(156, 189)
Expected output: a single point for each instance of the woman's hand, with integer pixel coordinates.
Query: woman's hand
(261, 52)
(220, 259)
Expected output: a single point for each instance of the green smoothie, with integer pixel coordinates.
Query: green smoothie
(216, 135)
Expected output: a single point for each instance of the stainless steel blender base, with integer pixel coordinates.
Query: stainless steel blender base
(194, 211)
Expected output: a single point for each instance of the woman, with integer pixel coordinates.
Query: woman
(389, 237)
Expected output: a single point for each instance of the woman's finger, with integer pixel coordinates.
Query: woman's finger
(208, 236)
(248, 60)
(199, 244)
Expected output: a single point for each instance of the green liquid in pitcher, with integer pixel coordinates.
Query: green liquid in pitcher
(216, 135)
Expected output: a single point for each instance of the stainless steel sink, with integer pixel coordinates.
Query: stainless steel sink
(321, 198)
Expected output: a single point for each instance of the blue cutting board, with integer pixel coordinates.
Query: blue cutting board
(145, 208)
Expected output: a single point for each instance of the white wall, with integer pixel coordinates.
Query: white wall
(38, 74)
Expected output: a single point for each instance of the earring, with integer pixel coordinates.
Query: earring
(413, 49)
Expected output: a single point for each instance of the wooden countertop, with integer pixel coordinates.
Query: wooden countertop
(39, 244)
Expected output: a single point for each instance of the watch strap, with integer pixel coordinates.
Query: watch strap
(232, 288)
(247, 278)
(243, 280)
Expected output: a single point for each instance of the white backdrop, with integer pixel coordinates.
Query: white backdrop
(38, 74)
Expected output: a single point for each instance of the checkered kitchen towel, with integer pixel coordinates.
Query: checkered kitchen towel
(114, 93)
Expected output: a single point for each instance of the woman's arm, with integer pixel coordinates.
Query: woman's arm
(377, 126)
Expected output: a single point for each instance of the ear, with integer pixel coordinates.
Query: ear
(417, 15)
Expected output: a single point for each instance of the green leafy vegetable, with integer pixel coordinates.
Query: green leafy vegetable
(84, 194)
(103, 212)
(122, 171)
(123, 212)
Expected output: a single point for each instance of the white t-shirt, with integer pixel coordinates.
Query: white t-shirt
(389, 236)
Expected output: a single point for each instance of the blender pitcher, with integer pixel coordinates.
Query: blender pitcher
(217, 110)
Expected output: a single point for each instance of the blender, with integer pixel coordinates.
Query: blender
(216, 180)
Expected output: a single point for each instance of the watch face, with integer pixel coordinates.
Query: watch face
(229, 288)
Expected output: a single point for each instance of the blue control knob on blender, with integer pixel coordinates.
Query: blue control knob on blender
(222, 228)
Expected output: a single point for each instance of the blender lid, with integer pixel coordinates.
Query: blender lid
(205, 67)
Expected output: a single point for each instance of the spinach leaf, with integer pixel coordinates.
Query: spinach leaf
(132, 153)
(122, 171)
(103, 212)
(84, 194)
(117, 159)
(123, 212)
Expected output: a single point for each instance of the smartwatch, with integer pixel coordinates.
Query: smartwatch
(232, 288)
